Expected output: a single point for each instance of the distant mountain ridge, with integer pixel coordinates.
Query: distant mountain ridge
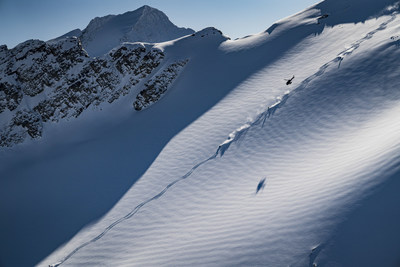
(155, 154)
(145, 24)
(48, 81)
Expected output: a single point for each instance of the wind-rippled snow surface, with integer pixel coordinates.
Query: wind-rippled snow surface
(324, 144)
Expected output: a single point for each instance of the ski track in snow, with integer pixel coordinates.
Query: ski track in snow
(133, 212)
(368, 36)
(262, 117)
(240, 133)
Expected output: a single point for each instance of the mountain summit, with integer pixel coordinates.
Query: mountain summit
(155, 154)
(145, 24)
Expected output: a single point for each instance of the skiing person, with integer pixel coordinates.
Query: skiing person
(289, 81)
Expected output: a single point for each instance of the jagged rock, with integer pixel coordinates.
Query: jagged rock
(31, 121)
(10, 96)
(156, 87)
(65, 81)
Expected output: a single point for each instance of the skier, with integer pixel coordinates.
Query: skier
(289, 81)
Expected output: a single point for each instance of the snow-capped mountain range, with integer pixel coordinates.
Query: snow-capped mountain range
(145, 24)
(48, 81)
(276, 149)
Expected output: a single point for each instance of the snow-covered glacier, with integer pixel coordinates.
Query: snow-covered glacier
(232, 166)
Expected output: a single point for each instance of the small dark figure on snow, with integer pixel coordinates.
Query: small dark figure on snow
(289, 81)
(260, 185)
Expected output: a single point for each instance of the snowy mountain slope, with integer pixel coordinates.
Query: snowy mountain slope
(109, 138)
(145, 24)
(73, 33)
(324, 144)
(322, 147)
(48, 81)
(44, 83)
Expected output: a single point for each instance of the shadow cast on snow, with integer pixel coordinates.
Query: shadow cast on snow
(48, 198)
(369, 236)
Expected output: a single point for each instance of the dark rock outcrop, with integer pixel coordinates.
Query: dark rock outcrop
(157, 86)
(48, 81)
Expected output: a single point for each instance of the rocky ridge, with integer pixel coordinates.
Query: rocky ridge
(145, 24)
(44, 82)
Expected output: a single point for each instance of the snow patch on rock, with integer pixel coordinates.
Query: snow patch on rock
(156, 87)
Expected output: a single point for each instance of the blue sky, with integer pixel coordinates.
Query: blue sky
(45, 19)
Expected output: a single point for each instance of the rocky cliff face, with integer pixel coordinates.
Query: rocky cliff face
(156, 87)
(43, 82)
(34, 65)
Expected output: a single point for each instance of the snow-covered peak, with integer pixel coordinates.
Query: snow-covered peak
(209, 31)
(73, 33)
(313, 20)
(145, 24)
(220, 159)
